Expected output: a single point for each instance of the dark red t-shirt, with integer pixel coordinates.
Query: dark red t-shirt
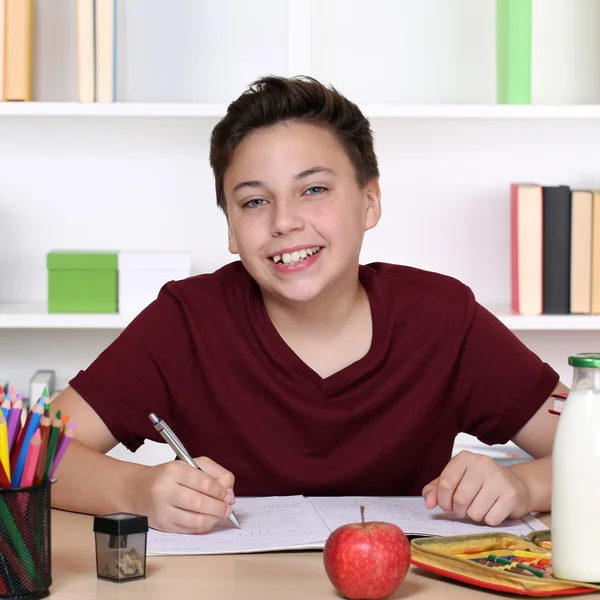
(206, 357)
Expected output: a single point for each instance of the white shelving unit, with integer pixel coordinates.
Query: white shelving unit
(31, 315)
(372, 111)
(135, 174)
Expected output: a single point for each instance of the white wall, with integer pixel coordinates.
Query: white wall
(131, 183)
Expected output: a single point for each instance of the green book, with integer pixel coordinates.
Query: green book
(513, 51)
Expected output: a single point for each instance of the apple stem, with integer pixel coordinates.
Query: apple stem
(362, 514)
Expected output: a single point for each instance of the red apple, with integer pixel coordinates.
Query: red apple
(367, 560)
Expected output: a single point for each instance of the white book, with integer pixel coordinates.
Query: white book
(298, 523)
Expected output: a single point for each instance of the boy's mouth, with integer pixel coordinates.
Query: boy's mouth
(293, 258)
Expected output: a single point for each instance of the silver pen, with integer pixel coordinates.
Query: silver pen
(179, 449)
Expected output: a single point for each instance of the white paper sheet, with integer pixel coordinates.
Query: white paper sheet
(268, 524)
(411, 516)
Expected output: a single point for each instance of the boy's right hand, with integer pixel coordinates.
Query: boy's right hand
(178, 498)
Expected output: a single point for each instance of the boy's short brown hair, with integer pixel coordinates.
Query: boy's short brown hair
(272, 100)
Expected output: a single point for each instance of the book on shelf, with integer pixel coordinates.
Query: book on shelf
(513, 51)
(106, 40)
(2, 45)
(555, 250)
(86, 51)
(96, 25)
(18, 49)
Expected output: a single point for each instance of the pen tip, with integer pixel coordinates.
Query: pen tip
(234, 520)
(153, 417)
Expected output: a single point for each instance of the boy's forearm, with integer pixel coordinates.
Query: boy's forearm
(537, 477)
(88, 481)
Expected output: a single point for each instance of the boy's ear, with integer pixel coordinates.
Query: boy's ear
(232, 244)
(373, 200)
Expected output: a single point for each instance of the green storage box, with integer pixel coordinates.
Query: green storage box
(82, 281)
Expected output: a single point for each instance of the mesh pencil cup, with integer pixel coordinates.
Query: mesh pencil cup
(121, 546)
(25, 558)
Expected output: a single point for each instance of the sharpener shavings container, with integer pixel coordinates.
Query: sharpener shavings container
(121, 546)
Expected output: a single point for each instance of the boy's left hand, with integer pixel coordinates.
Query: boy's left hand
(475, 486)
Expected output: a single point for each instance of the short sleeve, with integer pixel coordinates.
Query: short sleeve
(145, 369)
(499, 383)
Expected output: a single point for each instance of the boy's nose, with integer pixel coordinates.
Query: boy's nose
(286, 218)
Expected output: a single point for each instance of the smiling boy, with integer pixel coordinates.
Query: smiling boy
(296, 370)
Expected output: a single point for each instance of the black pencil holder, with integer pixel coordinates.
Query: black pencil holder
(25, 558)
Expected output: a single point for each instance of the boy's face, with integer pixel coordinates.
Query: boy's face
(295, 212)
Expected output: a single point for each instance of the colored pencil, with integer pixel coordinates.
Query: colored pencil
(44, 429)
(19, 459)
(16, 539)
(5, 407)
(52, 442)
(4, 479)
(4, 451)
(14, 423)
(63, 444)
(31, 460)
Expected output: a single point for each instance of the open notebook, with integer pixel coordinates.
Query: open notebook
(297, 522)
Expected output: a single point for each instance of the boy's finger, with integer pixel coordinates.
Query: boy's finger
(200, 481)
(221, 474)
(430, 495)
(465, 493)
(449, 480)
(482, 503)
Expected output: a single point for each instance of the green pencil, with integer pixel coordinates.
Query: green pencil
(52, 441)
(16, 540)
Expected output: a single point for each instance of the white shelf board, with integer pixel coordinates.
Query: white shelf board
(546, 322)
(29, 315)
(112, 109)
(26, 315)
(198, 109)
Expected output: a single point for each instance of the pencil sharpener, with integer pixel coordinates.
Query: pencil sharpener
(121, 546)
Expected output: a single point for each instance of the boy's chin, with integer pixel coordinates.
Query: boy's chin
(296, 294)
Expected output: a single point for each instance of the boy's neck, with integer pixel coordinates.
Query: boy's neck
(328, 313)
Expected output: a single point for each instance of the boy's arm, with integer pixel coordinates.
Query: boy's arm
(87, 480)
(474, 485)
(536, 438)
(173, 496)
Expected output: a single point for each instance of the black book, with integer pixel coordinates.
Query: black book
(557, 250)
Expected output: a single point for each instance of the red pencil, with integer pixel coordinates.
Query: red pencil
(4, 480)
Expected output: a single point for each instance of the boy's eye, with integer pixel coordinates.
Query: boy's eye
(254, 203)
(315, 190)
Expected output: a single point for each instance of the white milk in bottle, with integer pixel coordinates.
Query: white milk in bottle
(576, 476)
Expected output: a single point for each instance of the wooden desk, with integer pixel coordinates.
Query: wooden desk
(286, 575)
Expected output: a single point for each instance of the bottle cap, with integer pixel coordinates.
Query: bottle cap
(588, 360)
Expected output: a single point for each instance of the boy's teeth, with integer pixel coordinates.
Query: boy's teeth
(291, 258)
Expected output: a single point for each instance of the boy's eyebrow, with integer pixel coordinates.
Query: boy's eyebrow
(255, 183)
(313, 171)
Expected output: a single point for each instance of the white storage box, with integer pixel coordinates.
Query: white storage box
(143, 273)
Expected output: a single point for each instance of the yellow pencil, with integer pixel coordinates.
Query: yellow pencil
(4, 455)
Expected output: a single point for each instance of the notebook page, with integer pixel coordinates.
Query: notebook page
(410, 514)
(268, 524)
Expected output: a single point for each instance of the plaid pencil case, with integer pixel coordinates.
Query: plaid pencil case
(502, 562)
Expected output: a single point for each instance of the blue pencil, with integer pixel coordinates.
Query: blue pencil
(36, 414)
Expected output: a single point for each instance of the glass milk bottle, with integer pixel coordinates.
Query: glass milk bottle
(576, 476)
